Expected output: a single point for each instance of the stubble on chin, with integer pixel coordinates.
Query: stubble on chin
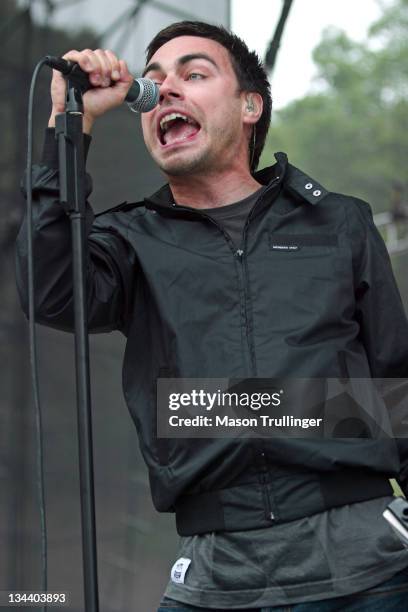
(185, 164)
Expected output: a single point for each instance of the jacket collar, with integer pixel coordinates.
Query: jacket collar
(294, 180)
(282, 172)
(304, 186)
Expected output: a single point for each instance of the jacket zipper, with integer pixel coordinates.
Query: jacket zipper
(265, 481)
(243, 277)
(264, 475)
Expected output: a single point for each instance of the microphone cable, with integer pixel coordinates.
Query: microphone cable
(145, 97)
(33, 337)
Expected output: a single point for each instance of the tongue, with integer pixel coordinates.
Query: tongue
(179, 130)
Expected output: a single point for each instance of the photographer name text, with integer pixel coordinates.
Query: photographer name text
(261, 420)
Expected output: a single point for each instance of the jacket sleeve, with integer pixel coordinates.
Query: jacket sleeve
(383, 324)
(110, 261)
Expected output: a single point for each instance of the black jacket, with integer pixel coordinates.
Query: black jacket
(310, 294)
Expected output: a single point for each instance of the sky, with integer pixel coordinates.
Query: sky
(294, 72)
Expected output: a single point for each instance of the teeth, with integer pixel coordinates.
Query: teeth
(170, 117)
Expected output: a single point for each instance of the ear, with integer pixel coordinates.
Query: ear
(252, 106)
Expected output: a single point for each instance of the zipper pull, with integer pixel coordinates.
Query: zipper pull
(239, 253)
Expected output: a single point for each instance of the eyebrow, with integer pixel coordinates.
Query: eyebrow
(180, 62)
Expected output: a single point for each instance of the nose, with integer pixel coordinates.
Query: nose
(169, 89)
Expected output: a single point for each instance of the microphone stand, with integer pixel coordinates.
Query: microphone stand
(72, 195)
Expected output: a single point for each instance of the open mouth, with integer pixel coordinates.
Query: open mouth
(177, 127)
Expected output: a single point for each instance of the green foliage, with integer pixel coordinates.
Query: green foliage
(351, 135)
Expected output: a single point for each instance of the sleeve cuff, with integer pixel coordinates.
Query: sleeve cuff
(49, 156)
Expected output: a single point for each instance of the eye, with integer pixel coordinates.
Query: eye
(193, 76)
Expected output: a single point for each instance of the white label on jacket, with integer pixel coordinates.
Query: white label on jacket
(179, 569)
(285, 247)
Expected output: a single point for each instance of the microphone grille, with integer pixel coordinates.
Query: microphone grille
(148, 96)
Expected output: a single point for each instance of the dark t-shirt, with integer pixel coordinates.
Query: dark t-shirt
(232, 217)
(331, 554)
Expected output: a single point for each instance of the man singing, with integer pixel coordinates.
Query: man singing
(229, 272)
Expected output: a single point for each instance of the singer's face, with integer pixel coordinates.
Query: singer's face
(197, 126)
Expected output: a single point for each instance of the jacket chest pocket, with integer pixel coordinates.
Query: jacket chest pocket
(303, 282)
(308, 255)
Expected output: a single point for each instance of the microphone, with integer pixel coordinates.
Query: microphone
(142, 96)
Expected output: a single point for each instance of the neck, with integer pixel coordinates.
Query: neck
(214, 189)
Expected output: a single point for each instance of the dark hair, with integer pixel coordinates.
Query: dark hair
(247, 66)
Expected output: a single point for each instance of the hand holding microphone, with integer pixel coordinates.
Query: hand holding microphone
(105, 79)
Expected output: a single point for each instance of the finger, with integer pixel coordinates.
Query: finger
(105, 66)
(114, 63)
(124, 72)
(69, 55)
(83, 58)
(89, 62)
(58, 89)
(57, 76)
